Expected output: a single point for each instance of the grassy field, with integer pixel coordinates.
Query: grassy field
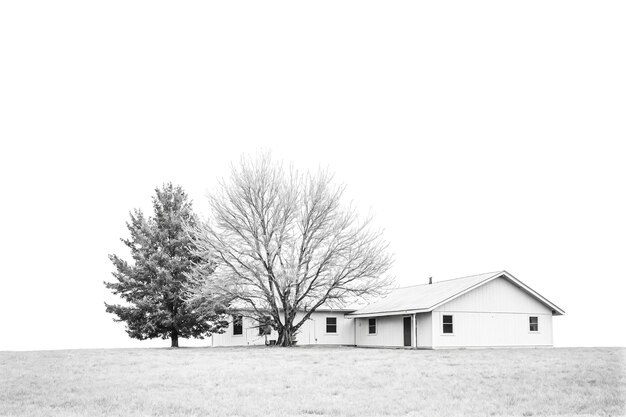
(313, 382)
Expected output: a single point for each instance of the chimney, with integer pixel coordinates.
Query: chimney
(430, 280)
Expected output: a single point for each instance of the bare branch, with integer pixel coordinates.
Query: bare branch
(280, 240)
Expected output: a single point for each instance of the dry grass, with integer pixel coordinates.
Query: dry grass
(313, 382)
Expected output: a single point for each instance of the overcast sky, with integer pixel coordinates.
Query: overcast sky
(481, 135)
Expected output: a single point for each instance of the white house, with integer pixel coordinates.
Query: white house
(487, 310)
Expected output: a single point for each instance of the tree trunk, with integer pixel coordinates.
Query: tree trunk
(285, 338)
(285, 335)
(174, 336)
(287, 331)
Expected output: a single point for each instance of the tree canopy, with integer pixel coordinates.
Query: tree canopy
(154, 283)
(282, 242)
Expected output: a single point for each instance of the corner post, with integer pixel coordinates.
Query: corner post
(414, 320)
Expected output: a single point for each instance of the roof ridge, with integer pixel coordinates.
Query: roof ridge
(451, 279)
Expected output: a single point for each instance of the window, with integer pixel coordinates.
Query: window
(533, 323)
(447, 324)
(331, 324)
(264, 326)
(237, 325)
(372, 326)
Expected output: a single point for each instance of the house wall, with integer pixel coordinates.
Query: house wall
(312, 332)
(389, 332)
(493, 315)
(424, 330)
(249, 337)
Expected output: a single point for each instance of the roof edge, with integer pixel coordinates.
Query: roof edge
(556, 311)
(387, 313)
(299, 310)
(448, 280)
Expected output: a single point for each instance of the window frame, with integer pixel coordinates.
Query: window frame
(530, 324)
(335, 325)
(240, 318)
(443, 325)
(369, 326)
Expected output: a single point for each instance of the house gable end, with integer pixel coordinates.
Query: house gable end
(499, 295)
(520, 292)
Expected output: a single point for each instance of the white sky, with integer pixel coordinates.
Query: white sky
(482, 135)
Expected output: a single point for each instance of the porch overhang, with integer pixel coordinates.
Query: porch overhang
(388, 313)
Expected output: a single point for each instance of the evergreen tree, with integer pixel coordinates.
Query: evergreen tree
(153, 285)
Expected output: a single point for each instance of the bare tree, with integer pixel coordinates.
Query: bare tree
(279, 242)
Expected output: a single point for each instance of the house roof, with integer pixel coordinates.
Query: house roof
(340, 308)
(427, 297)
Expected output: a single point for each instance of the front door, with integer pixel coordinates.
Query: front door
(407, 331)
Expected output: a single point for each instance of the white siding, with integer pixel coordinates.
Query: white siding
(250, 335)
(424, 330)
(497, 296)
(495, 314)
(313, 331)
(491, 330)
(389, 332)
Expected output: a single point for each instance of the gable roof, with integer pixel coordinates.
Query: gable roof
(427, 297)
